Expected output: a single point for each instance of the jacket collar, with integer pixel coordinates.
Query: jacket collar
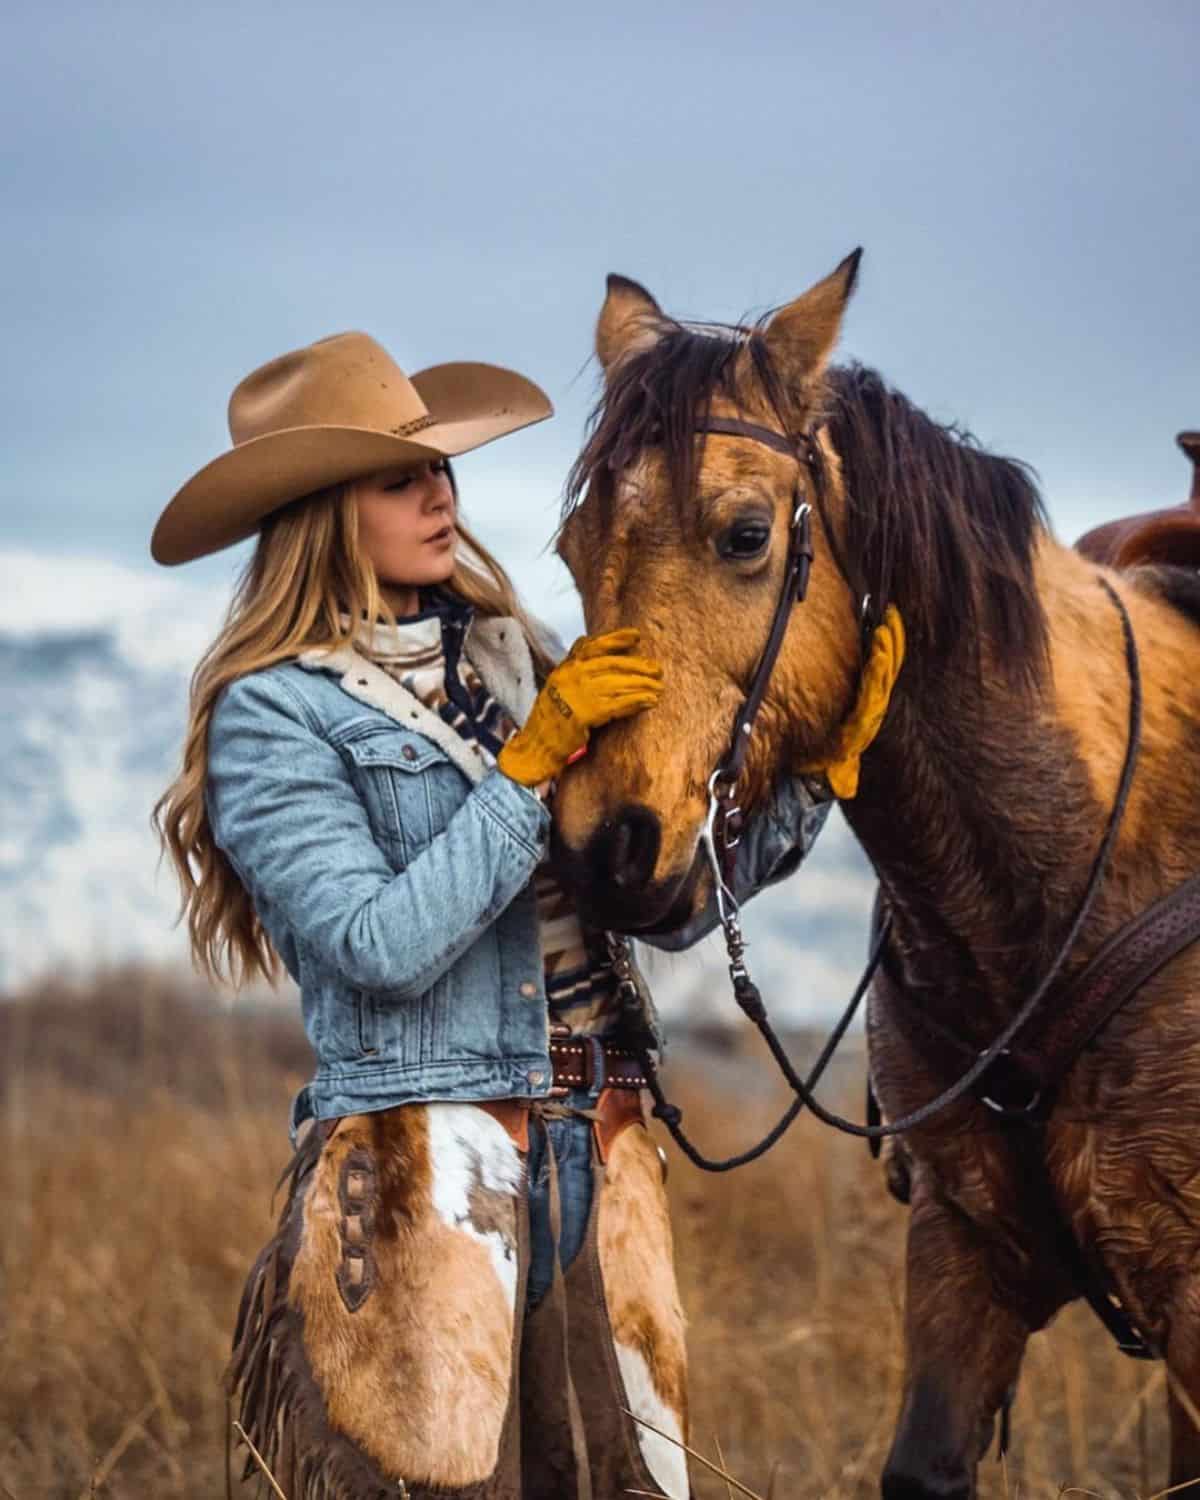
(496, 647)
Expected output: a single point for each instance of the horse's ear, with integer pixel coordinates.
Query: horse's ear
(629, 321)
(802, 334)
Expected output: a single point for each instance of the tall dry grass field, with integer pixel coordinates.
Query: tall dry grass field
(143, 1130)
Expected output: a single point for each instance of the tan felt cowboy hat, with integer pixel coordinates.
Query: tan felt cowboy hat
(332, 411)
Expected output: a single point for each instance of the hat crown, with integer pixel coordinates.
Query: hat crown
(345, 380)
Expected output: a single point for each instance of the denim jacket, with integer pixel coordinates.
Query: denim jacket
(393, 873)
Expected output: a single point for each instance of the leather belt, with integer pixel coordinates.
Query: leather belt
(574, 1061)
(574, 1065)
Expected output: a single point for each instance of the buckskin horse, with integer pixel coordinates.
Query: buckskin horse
(1041, 746)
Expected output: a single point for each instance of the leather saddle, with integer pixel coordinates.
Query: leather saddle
(1154, 536)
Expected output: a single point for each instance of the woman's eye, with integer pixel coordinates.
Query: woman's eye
(744, 540)
(441, 467)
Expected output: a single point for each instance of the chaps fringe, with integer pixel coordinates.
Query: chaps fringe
(271, 1382)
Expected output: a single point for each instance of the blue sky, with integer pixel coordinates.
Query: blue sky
(193, 189)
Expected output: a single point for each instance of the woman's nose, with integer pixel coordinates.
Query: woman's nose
(439, 495)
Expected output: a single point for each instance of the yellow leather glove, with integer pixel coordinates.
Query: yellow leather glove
(597, 681)
(842, 763)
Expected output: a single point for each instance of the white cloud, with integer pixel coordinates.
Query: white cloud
(158, 619)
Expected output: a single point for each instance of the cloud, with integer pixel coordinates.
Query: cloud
(158, 620)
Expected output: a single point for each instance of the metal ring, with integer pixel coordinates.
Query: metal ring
(1011, 1109)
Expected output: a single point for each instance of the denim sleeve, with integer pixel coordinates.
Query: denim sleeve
(284, 809)
(775, 840)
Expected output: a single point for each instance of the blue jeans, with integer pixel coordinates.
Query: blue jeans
(572, 1142)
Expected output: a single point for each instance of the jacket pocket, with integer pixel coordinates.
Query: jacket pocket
(392, 770)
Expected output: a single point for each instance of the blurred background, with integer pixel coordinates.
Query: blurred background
(192, 190)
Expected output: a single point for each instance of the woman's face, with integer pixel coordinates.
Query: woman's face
(406, 524)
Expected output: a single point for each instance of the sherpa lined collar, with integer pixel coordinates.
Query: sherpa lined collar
(496, 647)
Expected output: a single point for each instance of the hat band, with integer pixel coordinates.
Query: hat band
(418, 424)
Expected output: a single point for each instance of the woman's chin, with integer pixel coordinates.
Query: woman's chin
(442, 569)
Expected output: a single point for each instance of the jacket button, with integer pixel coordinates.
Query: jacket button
(535, 1077)
(409, 753)
(528, 989)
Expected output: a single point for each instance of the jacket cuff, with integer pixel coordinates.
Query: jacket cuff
(520, 812)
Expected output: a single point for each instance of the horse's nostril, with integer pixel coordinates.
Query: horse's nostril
(621, 847)
(626, 848)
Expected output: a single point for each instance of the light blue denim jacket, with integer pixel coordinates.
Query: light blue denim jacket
(393, 873)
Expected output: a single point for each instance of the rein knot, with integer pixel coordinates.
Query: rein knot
(670, 1114)
(748, 997)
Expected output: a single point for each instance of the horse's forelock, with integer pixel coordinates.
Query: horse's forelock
(657, 397)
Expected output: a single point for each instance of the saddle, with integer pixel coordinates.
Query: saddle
(1170, 536)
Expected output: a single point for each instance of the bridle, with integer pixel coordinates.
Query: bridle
(723, 822)
(722, 829)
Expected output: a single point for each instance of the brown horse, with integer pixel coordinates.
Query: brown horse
(981, 805)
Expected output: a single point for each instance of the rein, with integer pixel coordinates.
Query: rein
(722, 830)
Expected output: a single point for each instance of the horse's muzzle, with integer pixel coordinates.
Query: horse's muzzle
(612, 876)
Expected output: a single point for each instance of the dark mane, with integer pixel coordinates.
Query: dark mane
(931, 522)
(936, 525)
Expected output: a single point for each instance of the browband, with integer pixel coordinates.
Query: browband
(735, 427)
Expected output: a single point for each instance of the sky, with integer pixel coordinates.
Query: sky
(190, 190)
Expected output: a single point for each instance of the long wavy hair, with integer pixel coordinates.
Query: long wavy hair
(306, 583)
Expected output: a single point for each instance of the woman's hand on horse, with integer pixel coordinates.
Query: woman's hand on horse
(598, 680)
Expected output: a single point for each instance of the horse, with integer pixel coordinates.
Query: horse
(982, 804)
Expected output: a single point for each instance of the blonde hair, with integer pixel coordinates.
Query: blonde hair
(304, 586)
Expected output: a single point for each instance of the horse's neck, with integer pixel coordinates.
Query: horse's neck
(982, 808)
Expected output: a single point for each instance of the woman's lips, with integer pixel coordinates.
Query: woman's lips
(442, 538)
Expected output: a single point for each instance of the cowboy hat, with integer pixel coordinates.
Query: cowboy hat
(332, 411)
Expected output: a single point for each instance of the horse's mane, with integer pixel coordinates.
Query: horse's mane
(931, 522)
(937, 525)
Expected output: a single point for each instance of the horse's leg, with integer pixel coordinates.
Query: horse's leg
(1185, 1440)
(963, 1351)
(1183, 1362)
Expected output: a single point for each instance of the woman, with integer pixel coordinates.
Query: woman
(472, 1277)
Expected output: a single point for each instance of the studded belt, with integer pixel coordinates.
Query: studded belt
(575, 1063)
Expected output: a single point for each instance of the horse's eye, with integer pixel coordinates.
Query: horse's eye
(744, 540)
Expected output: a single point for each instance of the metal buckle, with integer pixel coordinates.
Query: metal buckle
(620, 960)
(727, 906)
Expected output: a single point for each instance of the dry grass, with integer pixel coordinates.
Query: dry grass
(142, 1135)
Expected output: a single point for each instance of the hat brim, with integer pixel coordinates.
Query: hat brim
(226, 501)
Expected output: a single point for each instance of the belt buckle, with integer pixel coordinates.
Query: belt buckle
(593, 1061)
(596, 1065)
